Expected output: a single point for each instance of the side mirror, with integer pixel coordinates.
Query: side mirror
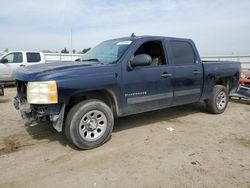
(4, 60)
(141, 60)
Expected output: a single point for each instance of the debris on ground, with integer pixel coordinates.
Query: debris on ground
(170, 129)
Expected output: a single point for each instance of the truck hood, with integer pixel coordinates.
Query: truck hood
(52, 70)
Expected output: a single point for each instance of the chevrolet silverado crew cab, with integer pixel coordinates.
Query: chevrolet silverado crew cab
(11, 61)
(121, 77)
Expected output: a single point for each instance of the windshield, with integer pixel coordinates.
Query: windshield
(107, 52)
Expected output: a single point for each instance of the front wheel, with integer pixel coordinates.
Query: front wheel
(218, 101)
(89, 124)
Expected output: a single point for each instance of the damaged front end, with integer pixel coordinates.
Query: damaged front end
(33, 113)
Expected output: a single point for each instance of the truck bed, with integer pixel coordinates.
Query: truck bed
(214, 69)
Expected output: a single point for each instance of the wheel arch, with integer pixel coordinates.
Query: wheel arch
(104, 95)
(227, 82)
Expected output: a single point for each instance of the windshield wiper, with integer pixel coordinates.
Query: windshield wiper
(94, 59)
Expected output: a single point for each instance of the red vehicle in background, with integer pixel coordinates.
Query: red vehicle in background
(243, 92)
(245, 75)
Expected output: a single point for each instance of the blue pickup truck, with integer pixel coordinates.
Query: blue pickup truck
(121, 77)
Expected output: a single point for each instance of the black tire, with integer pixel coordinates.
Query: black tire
(212, 105)
(75, 118)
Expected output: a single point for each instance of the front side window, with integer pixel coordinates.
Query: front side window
(155, 50)
(182, 52)
(107, 52)
(33, 57)
(16, 57)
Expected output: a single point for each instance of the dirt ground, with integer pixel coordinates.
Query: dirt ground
(203, 150)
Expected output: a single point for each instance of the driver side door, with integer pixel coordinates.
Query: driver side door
(9, 63)
(147, 88)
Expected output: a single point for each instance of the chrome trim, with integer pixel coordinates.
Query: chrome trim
(135, 100)
(187, 92)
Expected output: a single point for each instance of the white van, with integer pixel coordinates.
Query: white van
(11, 61)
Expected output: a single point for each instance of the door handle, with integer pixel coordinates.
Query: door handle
(166, 75)
(195, 72)
(21, 65)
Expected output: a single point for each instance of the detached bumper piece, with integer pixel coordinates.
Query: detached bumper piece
(242, 93)
(36, 113)
(1, 90)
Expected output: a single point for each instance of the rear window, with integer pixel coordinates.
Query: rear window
(183, 53)
(33, 57)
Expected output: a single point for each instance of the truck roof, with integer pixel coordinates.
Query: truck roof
(24, 51)
(150, 37)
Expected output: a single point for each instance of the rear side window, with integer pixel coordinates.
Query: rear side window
(183, 53)
(33, 57)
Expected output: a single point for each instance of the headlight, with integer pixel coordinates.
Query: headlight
(44, 92)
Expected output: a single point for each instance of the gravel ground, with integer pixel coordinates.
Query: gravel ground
(203, 150)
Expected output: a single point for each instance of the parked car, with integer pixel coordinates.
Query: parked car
(13, 60)
(245, 75)
(121, 77)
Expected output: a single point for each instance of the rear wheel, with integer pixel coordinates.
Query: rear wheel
(218, 101)
(89, 124)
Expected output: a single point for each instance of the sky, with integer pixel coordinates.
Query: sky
(218, 27)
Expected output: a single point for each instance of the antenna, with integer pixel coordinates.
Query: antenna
(133, 35)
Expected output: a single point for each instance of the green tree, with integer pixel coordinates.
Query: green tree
(65, 51)
(85, 50)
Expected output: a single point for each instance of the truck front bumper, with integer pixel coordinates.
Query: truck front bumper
(36, 113)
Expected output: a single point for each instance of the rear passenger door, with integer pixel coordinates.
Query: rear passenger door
(188, 71)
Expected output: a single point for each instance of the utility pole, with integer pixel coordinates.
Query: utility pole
(71, 43)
